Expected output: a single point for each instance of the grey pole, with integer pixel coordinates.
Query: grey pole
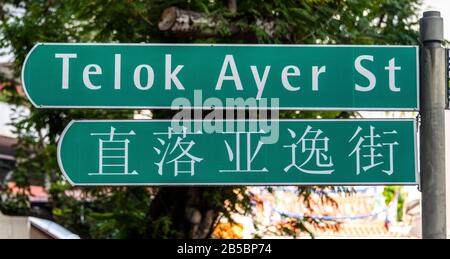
(432, 127)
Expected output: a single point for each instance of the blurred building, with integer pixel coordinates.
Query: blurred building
(12, 227)
(6, 156)
(362, 213)
(15, 227)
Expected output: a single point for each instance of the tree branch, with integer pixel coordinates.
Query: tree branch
(180, 22)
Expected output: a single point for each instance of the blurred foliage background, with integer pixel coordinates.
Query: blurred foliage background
(167, 212)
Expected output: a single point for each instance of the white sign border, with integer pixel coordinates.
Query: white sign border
(416, 173)
(227, 108)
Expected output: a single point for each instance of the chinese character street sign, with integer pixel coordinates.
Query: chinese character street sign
(260, 152)
(304, 77)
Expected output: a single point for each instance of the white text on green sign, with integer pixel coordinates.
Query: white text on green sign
(153, 76)
(303, 152)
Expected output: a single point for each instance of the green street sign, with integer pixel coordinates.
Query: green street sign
(314, 77)
(259, 152)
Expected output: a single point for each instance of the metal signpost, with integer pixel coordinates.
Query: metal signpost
(298, 152)
(154, 75)
(432, 129)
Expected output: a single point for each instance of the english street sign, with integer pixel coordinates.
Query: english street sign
(259, 152)
(314, 77)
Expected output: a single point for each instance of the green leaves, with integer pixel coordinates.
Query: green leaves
(125, 212)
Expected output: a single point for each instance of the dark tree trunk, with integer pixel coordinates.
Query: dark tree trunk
(189, 214)
(232, 5)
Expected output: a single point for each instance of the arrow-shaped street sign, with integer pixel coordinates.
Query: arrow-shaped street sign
(314, 77)
(260, 152)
